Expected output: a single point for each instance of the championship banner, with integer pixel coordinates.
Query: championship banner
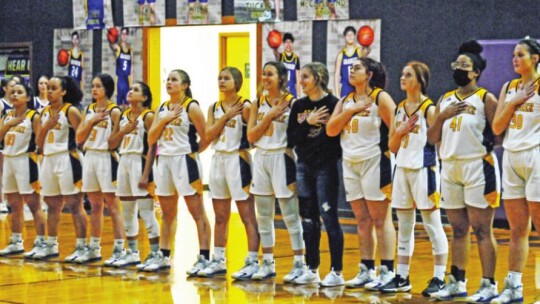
(144, 12)
(322, 9)
(198, 11)
(92, 14)
(246, 11)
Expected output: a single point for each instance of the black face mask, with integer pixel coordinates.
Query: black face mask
(461, 77)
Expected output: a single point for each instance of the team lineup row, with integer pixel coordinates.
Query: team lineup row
(459, 128)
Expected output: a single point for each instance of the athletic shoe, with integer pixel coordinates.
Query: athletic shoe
(333, 279)
(363, 277)
(434, 285)
(398, 284)
(130, 258)
(90, 254)
(159, 262)
(333, 292)
(305, 291)
(308, 277)
(299, 268)
(3, 207)
(213, 268)
(385, 276)
(37, 244)
(454, 289)
(510, 294)
(199, 265)
(46, 251)
(117, 254)
(265, 16)
(149, 259)
(249, 269)
(13, 248)
(485, 293)
(266, 270)
(79, 251)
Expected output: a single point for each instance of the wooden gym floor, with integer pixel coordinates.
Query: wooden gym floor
(56, 282)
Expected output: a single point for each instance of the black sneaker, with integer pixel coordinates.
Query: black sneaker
(398, 284)
(434, 285)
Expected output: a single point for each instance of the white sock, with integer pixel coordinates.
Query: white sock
(515, 278)
(268, 256)
(95, 242)
(253, 255)
(52, 240)
(119, 244)
(80, 242)
(219, 253)
(299, 258)
(403, 270)
(40, 238)
(438, 271)
(16, 237)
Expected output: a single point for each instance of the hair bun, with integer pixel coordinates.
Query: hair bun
(471, 46)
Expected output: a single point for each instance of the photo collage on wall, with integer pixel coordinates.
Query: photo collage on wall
(198, 11)
(144, 12)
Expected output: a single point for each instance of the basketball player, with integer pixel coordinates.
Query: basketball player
(317, 173)
(135, 185)
(344, 61)
(95, 14)
(319, 8)
(202, 5)
(416, 179)
(150, 7)
(362, 118)
(178, 169)
(99, 168)
(20, 177)
(518, 113)
(291, 62)
(61, 165)
(124, 72)
(76, 61)
(41, 101)
(230, 173)
(274, 170)
(470, 175)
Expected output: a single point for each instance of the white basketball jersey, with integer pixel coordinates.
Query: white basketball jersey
(179, 136)
(99, 136)
(61, 138)
(524, 130)
(20, 139)
(415, 152)
(135, 142)
(275, 136)
(233, 137)
(467, 135)
(364, 136)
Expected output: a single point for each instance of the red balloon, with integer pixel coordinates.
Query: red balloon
(366, 35)
(62, 57)
(274, 39)
(112, 35)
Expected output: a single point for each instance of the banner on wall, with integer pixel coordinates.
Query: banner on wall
(144, 12)
(322, 9)
(198, 11)
(72, 51)
(246, 11)
(122, 59)
(15, 61)
(92, 14)
(346, 41)
(290, 43)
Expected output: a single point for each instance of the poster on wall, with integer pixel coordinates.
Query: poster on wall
(348, 40)
(144, 12)
(16, 60)
(322, 9)
(246, 11)
(72, 51)
(122, 59)
(92, 14)
(290, 43)
(198, 11)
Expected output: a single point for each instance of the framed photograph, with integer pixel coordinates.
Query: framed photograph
(16, 60)
(144, 12)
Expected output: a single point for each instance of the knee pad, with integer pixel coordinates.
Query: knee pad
(146, 211)
(265, 219)
(406, 221)
(291, 217)
(435, 231)
(131, 223)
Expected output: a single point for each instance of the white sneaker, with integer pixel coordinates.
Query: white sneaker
(46, 251)
(149, 260)
(510, 294)
(117, 254)
(13, 248)
(266, 271)
(130, 258)
(213, 268)
(249, 269)
(453, 289)
(159, 262)
(265, 16)
(3, 207)
(299, 268)
(199, 265)
(90, 254)
(308, 277)
(384, 277)
(333, 279)
(79, 251)
(485, 293)
(37, 245)
(363, 277)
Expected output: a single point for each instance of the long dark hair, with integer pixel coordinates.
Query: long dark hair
(282, 73)
(146, 92)
(74, 94)
(29, 94)
(108, 84)
(378, 72)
